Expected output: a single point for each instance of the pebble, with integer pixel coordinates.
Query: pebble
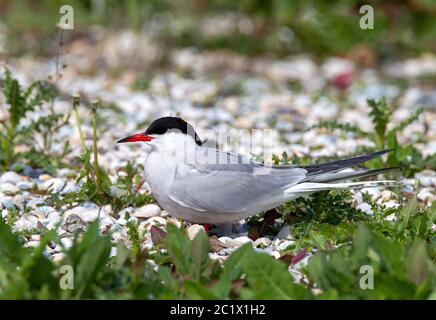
(74, 224)
(391, 217)
(58, 256)
(284, 232)
(262, 242)
(92, 215)
(229, 242)
(67, 243)
(373, 192)
(155, 221)
(243, 239)
(281, 246)
(366, 208)
(147, 211)
(426, 178)
(54, 184)
(126, 211)
(25, 223)
(9, 188)
(391, 204)
(10, 177)
(7, 204)
(122, 221)
(194, 230)
(24, 185)
(426, 195)
(31, 244)
(44, 210)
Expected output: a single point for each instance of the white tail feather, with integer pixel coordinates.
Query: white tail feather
(309, 187)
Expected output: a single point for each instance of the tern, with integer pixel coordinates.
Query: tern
(205, 185)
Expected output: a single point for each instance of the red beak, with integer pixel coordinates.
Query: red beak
(136, 138)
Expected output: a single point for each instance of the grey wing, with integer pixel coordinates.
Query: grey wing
(229, 183)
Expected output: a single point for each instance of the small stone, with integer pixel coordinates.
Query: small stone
(31, 244)
(163, 213)
(10, 177)
(426, 178)
(135, 220)
(147, 211)
(44, 210)
(426, 195)
(35, 237)
(391, 204)
(117, 191)
(7, 204)
(113, 252)
(366, 208)
(122, 221)
(373, 192)
(24, 185)
(41, 227)
(262, 242)
(127, 211)
(74, 224)
(155, 221)
(26, 223)
(284, 232)
(35, 203)
(56, 185)
(44, 177)
(268, 251)
(386, 195)
(229, 242)
(194, 230)
(58, 256)
(284, 245)
(157, 235)
(9, 188)
(243, 239)
(391, 217)
(67, 243)
(91, 215)
(216, 245)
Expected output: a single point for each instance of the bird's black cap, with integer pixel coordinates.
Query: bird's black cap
(162, 125)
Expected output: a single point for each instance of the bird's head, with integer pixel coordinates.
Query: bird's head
(161, 127)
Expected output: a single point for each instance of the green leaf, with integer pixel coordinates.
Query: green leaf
(379, 114)
(88, 257)
(179, 248)
(10, 245)
(92, 263)
(418, 264)
(38, 269)
(269, 279)
(195, 290)
(200, 253)
(233, 266)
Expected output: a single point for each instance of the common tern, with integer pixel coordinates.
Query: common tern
(205, 185)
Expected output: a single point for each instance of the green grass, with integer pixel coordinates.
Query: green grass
(402, 269)
(280, 26)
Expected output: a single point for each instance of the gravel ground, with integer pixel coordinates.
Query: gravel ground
(216, 90)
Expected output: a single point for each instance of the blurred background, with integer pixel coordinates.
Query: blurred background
(249, 27)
